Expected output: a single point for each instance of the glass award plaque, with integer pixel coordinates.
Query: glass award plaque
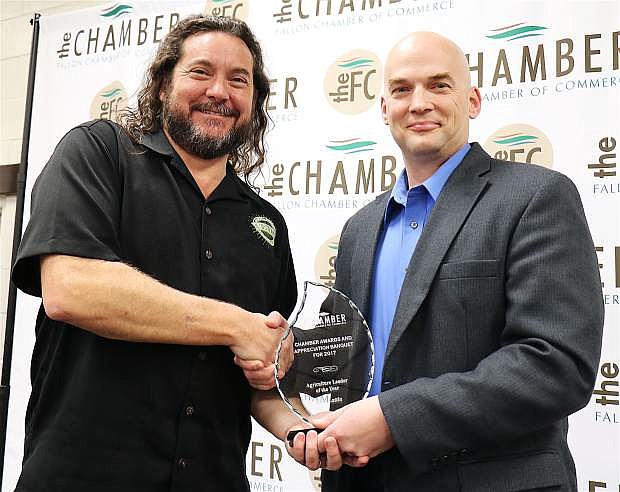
(333, 354)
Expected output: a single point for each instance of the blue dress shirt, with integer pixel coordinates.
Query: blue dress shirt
(406, 214)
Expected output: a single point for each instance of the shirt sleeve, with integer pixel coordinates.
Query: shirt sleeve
(75, 206)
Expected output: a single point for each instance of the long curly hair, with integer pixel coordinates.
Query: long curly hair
(147, 116)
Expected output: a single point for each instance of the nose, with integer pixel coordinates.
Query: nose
(420, 101)
(217, 89)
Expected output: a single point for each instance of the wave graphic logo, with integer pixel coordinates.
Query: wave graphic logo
(353, 81)
(520, 143)
(516, 31)
(116, 10)
(357, 62)
(352, 145)
(110, 94)
(515, 139)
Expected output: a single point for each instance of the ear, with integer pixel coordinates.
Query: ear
(163, 88)
(384, 111)
(475, 103)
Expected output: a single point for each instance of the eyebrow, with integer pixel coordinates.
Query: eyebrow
(435, 77)
(442, 76)
(396, 81)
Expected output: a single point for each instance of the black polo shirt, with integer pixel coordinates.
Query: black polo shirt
(108, 415)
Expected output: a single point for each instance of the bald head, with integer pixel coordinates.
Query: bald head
(428, 99)
(424, 42)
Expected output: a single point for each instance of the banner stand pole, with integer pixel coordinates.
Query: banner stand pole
(17, 233)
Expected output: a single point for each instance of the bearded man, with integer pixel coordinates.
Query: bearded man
(162, 276)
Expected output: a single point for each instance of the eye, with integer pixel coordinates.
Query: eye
(442, 85)
(239, 82)
(199, 72)
(400, 90)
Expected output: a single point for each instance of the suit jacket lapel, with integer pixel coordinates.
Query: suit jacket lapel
(451, 209)
(364, 254)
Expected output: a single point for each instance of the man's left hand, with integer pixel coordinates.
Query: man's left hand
(305, 451)
(359, 428)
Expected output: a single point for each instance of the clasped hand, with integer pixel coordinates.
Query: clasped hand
(351, 436)
(260, 374)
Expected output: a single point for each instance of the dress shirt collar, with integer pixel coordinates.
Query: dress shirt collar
(433, 185)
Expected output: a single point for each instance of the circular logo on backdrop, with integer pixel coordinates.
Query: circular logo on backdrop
(520, 143)
(353, 82)
(109, 101)
(237, 9)
(325, 261)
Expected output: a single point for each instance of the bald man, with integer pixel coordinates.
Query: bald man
(481, 287)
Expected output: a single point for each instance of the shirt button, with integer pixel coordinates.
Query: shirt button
(182, 463)
(189, 410)
(202, 355)
(414, 224)
(208, 210)
(209, 254)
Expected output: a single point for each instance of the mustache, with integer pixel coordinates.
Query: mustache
(217, 108)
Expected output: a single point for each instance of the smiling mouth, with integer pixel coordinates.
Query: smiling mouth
(216, 110)
(213, 113)
(423, 126)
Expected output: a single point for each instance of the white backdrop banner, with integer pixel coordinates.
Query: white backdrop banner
(549, 76)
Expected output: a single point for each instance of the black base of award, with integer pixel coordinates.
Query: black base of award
(290, 437)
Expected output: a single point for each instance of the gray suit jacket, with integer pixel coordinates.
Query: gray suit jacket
(496, 337)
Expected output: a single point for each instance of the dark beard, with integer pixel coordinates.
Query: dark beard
(189, 136)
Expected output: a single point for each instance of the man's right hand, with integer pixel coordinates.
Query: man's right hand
(257, 337)
(261, 375)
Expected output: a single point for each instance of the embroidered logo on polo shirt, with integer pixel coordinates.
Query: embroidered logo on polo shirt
(264, 227)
